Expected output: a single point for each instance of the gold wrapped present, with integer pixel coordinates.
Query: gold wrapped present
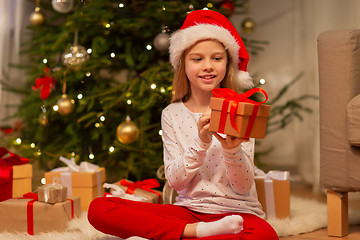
(52, 193)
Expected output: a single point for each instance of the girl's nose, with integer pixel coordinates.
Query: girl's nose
(207, 65)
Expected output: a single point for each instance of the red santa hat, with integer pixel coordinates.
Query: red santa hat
(208, 24)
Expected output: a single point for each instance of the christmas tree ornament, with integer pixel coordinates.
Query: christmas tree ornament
(227, 7)
(43, 118)
(62, 6)
(66, 105)
(46, 83)
(248, 25)
(76, 55)
(162, 41)
(37, 17)
(127, 132)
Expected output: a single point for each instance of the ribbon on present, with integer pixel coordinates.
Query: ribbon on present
(30, 210)
(146, 185)
(7, 161)
(230, 95)
(71, 166)
(116, 191)
(269, 188)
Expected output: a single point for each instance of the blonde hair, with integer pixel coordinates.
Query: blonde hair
(181, 87)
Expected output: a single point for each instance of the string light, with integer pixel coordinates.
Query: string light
(112, 55)
(88, 74)
(43, 181)
(17, 141)
(91, 156)
(128, 102)
(209, 5)
(111, 149)
(89, 50)
(79, 96)
(153, 86)
(262, 81)
(162, 89)
(102, 118)
(97, 125)
(45, 61)
(32, 145)
(121, 5)
(148, 47)
(107, 25)
(160, 132)
(55, 108)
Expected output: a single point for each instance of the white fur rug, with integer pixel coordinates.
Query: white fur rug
(306, 216)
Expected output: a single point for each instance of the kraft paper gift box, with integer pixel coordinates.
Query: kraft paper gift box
(274, 194)
(86, 185)
(42, 217)
(52, 193)
(142, 188)
(239, 117)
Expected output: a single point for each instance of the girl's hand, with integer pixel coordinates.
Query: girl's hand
(230, 142)
(203, 125)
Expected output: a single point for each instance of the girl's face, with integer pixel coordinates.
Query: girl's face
(205, 65)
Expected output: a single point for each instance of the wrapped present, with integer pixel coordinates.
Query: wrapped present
(84, 181)
(52, 193)
(117, 191)
(26, 214)
(15, 175)
(237, 115)
(142, 188)
(273, 189)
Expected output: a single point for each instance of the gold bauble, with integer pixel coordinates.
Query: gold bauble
(66, 105)
(127, 132)
(248, 25)
(37, 17)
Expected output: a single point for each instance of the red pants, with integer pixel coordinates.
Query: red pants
(125, 218)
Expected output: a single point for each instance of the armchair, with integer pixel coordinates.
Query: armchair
(339, 85)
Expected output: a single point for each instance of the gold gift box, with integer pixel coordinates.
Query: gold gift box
(52, 193)
(22, 175)
(83, 184)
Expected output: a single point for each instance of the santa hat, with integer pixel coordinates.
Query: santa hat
(208, 24)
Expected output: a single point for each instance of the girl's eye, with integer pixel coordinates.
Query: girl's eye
(218, 58)
(196, 59)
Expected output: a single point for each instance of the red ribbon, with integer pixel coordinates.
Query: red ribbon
(230, 95)
(30, 211)
(46, 83)
(146, 184)
(6, 172)
(72, 208)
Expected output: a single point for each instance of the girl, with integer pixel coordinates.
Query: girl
(212, 173)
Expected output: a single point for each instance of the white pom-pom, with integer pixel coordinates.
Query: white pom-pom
(244, 80)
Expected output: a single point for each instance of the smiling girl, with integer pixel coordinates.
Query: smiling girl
(212, 173)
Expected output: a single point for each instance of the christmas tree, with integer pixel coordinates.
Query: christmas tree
(98, 79)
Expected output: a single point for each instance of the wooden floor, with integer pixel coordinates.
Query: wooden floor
(305, 191)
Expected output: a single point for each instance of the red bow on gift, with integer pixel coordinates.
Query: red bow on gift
(6, 171)
(46, 83)
(146, 184)
(235, 98)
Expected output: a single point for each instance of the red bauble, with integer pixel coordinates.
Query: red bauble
(228, 7)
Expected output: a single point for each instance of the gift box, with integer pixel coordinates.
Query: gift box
(31, 216)
(86, 185)
(274, 194)
(236, 115)
(142, 188)
(15, 175)
(22, 175)
(52, 193)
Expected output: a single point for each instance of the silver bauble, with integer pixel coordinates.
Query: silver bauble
(162, 42)
(62, 6)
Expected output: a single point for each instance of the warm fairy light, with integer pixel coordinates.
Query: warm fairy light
(162, 89)
(97, 125)
(262, 81)
(121, 5)
(209, 5)
(45, 61)
(148, 47)
(73, 154)
(102, 118)
(38, 152)
(112, 55)
(111, 149)
(88, 74)
(79, 96)
(128, 102)
(43, 181)
(160, 132)
(89, 50)
(32, 145)
(163, 8)
(17, 141)
(91, 156)
(55, 108)
(107, 25)
(153, 86)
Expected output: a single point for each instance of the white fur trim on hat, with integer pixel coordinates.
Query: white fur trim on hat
(185, 38)
(244, 80)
